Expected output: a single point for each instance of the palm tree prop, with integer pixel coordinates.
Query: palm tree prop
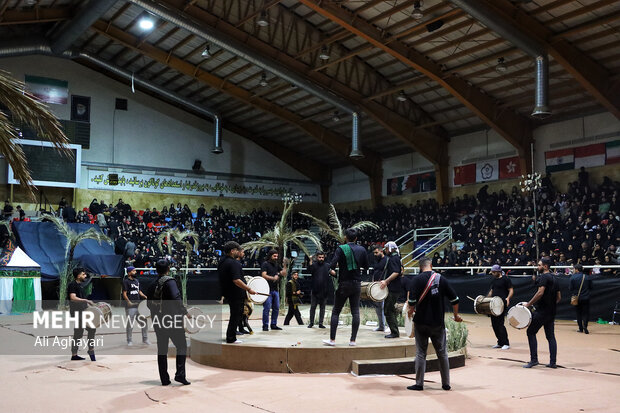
(184, 238)
(279, 237)
(26, 110)
(73, 239)
(333, 228)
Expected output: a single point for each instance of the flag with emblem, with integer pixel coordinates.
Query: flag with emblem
(395, 186)
(560, 160)
(509, 168)
(487, 170)
(465, 174)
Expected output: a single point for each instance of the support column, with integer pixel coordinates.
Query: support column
(441, 181)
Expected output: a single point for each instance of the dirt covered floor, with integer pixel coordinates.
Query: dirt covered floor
(492, 380)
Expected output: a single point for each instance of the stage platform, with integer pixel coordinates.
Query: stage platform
(298, 349)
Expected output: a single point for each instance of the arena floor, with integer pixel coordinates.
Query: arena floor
(492, 380)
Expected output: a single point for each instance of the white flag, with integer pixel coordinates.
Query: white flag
(487, 171)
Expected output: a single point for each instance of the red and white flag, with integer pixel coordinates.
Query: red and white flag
(509, 168)
(465, 174)
(591, 155)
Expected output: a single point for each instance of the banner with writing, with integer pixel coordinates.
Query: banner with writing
(161, 184)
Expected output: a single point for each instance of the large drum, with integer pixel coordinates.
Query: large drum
(260, 285)
(143, 310)
(489, 305)
(195, 322)
(102, 312)
(519, 317)
(373, 291)
(408, 321)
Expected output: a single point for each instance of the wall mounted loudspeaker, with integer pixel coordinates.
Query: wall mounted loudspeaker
(113, 179)
(197, 164)
(121, 104)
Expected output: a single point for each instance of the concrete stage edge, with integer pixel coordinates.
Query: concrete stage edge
(298, 349)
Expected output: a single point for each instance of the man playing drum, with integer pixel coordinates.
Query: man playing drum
(233, 287)
(394, 284)
(501, 287)
(546, 299)
(379, 267)
(131, 297)
(77, 304)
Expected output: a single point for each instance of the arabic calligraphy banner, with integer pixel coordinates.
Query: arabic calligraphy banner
(161, 184)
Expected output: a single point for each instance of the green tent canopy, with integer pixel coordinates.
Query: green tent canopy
(20, 284)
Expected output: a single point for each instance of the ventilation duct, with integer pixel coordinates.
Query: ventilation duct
(485, 15)
(37, 46)
(356, 153)
(249, 54)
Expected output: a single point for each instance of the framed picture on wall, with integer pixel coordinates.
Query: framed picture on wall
(80, 108)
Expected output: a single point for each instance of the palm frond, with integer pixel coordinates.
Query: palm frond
(90, 233)
(255, 246)
(324, 227)
(25, 109)
(362, 225)
(7, 225)
(61, 226)
(303, 234)
(288, 207)
(334, 222)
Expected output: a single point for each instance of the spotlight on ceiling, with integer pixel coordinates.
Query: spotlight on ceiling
(401, 96)
(417, 10)
(263, 19)
(501, 66)
(263, 80)
(336, 116)
(324, 55)
(206, 53)
(147, 22)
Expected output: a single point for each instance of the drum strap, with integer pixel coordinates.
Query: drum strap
(429, 284)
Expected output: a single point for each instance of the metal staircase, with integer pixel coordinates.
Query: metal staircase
(421, 242)
(301, 256)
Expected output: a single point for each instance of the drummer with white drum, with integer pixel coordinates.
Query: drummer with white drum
(501, 287)
(392, 281)
(132, 296)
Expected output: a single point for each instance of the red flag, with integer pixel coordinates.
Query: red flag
(509, 168)
(465, 174)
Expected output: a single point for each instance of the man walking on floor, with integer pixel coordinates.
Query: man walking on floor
(349, 257)
(580, 286)
(546, 299)
(426, 300)
(320, 287)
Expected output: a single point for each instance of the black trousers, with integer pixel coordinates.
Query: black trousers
(548, 322)
(321, 300)
(347, 290)
(583, 314)
(177, 335)
(236, 314)
(78, 333)
(293, 311)
(390, 312)
(500, 329)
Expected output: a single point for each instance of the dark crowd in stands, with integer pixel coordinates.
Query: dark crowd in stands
(581, 226)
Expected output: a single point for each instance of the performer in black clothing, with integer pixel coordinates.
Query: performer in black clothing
(426, 300)
(581, 285)
(77, 304)
(349, 257)
(293, 294)
(320, 287)
(244, 321)
(132, 295)
(546, 298)
(233, 287)
(167, 312)
(379, 268)
(394, 284)
(501, 287)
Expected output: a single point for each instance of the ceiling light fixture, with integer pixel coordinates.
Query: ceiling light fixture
(263, 21)
(417, 10)
(324, 55)
(501, 66)
(206, 53)
(336, 116)
(263, 80)
(146, 22)
(401, 96)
